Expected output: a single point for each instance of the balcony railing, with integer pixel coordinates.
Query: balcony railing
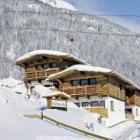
(93, 89)
(40, 74)
(130, 117)
(100, 110)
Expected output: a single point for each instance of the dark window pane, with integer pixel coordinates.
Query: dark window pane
(75, 83)
(54, 65)
(85, 104)
(77, 98)
(94, 103)
(46, 66)
(102, 103)
(112, 106)
(128, 110)
(92, 81)
(84, 82)
(78, 104)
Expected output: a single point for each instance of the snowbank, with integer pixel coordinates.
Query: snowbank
(13, 84)
(14, 126)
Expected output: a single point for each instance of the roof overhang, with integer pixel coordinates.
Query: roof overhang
(96, 70)
(48, 53)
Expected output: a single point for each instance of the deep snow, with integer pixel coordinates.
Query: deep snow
(14, 125)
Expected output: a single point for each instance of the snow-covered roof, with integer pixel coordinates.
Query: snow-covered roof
(89, 68)
(59, 4)
(49, 92)
(48, 53)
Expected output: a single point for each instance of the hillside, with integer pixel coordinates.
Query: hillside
(36, 28)
(15, 104)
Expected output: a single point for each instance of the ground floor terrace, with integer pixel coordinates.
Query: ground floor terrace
(110, 110)
(132, 112)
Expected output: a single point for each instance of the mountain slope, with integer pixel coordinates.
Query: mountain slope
(59, 4)
(46, 27)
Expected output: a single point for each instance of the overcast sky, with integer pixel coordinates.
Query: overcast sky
(113, 7)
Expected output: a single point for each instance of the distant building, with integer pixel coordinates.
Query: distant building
(39, 64)
(98, 90)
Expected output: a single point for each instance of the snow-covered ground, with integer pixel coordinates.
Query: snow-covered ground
(14, 125)
(59, 4)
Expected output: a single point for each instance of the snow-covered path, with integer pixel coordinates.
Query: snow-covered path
(129, 130)
(135, 135)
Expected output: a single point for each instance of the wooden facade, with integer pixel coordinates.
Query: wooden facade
(133, 97)
(130, 117)
(103, 86)
(40, 67)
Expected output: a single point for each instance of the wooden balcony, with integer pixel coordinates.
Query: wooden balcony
(130, 117)
(40, 74)
(93, 89)
(103, 112)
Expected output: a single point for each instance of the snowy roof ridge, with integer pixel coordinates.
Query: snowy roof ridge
(89, 68)
(46, 52)
(59, 4)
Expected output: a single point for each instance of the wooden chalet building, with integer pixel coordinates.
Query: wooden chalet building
(39, 64)
(98, 90)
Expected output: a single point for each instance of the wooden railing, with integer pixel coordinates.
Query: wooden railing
(93, 89)
(100, 110)
(130, 117)
(40, 74)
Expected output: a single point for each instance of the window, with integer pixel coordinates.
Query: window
(75, 83)
(85, 104)
(88, 97)
(39, 67)
(78, 104)
(137, 113)
(92, 81)
(84, 82)
(46, 66)
(94, 103)
(54, 65)
(128, 110)
(77, 98)
(102, 103)
(112, 106)
(39, 81)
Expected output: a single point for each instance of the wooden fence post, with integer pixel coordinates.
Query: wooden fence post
(41, 115)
